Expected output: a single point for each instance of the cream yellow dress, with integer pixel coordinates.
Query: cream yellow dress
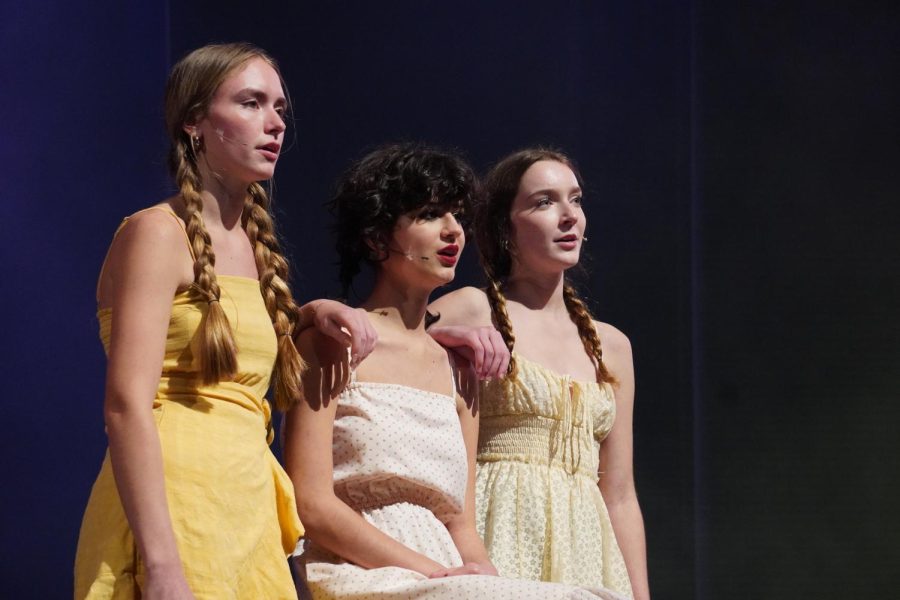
(232, 505)
(539, 507)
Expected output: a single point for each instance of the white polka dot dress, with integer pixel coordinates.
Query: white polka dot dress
(400, 460)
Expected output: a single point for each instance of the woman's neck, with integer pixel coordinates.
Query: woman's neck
(400, 303)
(536, 291)
(223, 201)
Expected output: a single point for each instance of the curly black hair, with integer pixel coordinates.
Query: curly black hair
(384, 185)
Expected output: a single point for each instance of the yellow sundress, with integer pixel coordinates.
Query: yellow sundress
(231, 503)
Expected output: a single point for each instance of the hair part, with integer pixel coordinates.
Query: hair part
(496, 248)
(190, 89)
(387, 183)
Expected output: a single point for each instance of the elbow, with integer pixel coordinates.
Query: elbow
(119, 412)
(619, 495)
(316, 511)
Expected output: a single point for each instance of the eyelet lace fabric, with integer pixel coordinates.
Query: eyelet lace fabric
(539, 507)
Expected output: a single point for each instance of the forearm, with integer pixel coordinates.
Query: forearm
(136, 458)
(628, 524)
(338, 528)
(469, 544)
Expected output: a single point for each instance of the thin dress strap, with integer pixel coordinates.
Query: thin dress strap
(166, 209)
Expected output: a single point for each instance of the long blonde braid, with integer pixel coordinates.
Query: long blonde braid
(217, 349)
(274, 274)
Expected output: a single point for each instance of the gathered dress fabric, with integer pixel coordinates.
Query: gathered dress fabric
(231, 503)
(400, 461)
(538, 504)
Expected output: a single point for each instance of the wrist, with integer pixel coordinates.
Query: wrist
(165, 566)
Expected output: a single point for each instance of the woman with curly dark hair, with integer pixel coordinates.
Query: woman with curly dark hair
(555, 489)
(384, 468)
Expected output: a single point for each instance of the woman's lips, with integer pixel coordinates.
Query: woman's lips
(448, 255)
(567, 242)
(269, 151)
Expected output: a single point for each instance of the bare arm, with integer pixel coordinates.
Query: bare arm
(345, 324)
(145, 267)
(462, 526)
(616, 463)
(308, 458)
(465, 326)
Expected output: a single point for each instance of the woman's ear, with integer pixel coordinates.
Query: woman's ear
(377, 250)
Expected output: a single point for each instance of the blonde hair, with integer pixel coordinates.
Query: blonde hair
(189, 91)
(493, 233)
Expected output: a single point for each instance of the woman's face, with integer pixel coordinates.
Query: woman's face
(243, 129)
(547, 219)
(425, 247)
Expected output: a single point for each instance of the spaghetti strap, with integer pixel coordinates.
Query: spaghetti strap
(166, 209)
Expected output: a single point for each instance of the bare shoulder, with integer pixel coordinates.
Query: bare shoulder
(149, 246)
(465, 306)
(616, 351)
(613, 339)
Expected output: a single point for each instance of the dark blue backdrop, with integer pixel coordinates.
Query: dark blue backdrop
(743, 189)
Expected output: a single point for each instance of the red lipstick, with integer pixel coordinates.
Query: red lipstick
(448, 255)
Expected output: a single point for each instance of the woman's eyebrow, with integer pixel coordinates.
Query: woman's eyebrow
(574, 190)
(259, 94)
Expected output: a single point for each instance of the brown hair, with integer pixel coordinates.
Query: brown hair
(493, 233)
(189, 91)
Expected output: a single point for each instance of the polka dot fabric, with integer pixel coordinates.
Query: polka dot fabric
(539, 508)
(400, 460)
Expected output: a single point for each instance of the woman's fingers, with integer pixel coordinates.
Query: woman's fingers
(501, 354)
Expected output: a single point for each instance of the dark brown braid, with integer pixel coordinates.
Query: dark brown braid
(579, 314)
(501, 321)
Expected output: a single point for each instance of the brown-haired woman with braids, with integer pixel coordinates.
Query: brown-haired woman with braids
(197, 319)
(555, 488)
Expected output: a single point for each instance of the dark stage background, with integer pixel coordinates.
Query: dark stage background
(742, 164)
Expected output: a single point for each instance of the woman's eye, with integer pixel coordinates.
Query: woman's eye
(577, 200)
(428, 215)
(543, 201)
(250, 104)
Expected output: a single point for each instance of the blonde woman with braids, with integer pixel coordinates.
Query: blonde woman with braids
(555, 490)
(197, 320)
